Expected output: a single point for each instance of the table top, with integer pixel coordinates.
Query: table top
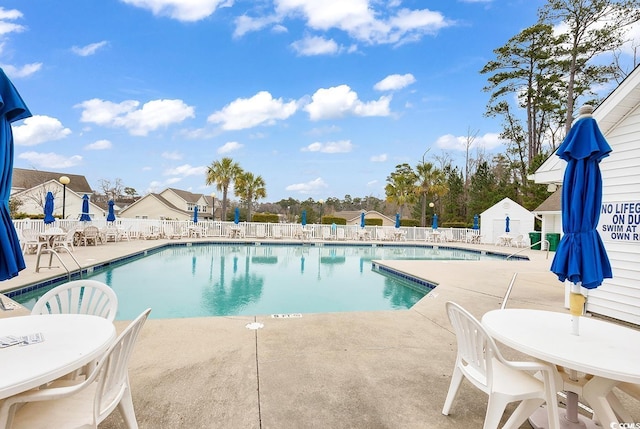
(602, 348)
(70, 342)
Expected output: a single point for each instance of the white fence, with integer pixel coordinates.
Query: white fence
(139, 228)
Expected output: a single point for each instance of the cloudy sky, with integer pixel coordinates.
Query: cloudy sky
(320, 97)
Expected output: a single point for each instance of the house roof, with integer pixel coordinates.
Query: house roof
(23, 179)
(614, 109)
(552, 203)
(187, 196)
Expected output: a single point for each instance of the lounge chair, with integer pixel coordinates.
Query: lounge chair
(276, 232)
(91, 234)
(380, 234)
(261, 231)
(326, 233)
(340, 235)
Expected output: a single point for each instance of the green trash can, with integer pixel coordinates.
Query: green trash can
(553, 239)
(535, 237)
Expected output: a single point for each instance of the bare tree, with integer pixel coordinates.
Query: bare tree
(112, 190)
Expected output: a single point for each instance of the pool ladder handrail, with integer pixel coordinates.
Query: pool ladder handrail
(52, 253)
(530, 246)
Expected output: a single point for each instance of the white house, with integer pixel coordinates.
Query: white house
(493, 221)
(174, 204)
(30, 187)
(618, 117)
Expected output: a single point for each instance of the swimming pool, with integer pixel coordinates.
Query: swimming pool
(229, 279)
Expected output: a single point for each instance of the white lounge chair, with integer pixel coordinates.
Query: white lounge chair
(340, 235)
(326, 233)
(261, 231)
(380, 234)
(276, 231)
(70, 403)
(479, 360)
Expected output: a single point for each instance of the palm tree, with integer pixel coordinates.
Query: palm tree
(222, 173)
(431, 181)
(400, 188)
(250, 188)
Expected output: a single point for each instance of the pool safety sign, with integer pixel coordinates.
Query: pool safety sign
(620, 221)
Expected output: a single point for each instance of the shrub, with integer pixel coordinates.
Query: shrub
(328, 220)
(266, 217)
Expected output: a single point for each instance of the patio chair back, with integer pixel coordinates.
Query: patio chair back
(79, 297)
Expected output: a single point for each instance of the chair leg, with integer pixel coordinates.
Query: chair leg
(495, 410)
(456, 380)
(126, 409)
(522, 413)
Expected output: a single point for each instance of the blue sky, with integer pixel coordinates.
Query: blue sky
(320, 97)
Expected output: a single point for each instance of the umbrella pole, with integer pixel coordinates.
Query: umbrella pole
(576, 307)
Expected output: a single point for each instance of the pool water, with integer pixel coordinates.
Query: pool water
(226, 280)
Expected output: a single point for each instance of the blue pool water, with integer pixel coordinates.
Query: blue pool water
(225, 280)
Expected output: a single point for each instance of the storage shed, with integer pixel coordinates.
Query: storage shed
(493, 221)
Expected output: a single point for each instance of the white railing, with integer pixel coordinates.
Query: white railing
(166, 228)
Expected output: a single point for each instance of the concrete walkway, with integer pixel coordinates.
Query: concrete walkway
(342, 370)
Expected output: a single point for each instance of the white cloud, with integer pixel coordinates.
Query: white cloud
(7, 27)
(394, 82)
(379, 158)
(189, 11)
(339, 101)
(342, 146)
(262, 108)
(185, 170)
(487, 141)
(85, 51)
(308, 187)
(229, 147)
(39, 129)
(51, 160)
(18, 72)
(157, 186)
(246, 24)
(99, 145)
(151, 116)
(174, 156)
(315, 45)
(365, 20)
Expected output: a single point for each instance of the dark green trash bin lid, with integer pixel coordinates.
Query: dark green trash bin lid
(553, 239)
(535, 237)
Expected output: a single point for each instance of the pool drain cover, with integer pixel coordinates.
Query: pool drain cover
(254, 325)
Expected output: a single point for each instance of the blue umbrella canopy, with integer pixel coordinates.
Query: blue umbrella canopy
(580, 256)
(304, 218)
(506, 224)
(84, 217)
(195, 214)
(362, 220)
(434, 223)
(475, 222)
(111, 216)
(236, 216)
(12, 109)
(48, 209)
(397, 220)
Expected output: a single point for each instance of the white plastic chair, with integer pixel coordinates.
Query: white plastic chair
(66, 242)
(30, 241)
(480, 362)
(79, 297)
(73, 404)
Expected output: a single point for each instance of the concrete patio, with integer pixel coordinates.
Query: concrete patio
(340, 370)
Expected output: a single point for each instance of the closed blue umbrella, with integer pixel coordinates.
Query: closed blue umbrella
(236, 216)
(475, 222)
(434, 223)
(362, 220)
(48, 209)
(506, 224)
(111, 216)
(397, 220)
(84, 217)
(304, 218)
(12, 109)
(195, 214)
(580, 256)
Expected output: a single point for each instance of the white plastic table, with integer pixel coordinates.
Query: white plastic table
(70, 342)
(606, 350)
